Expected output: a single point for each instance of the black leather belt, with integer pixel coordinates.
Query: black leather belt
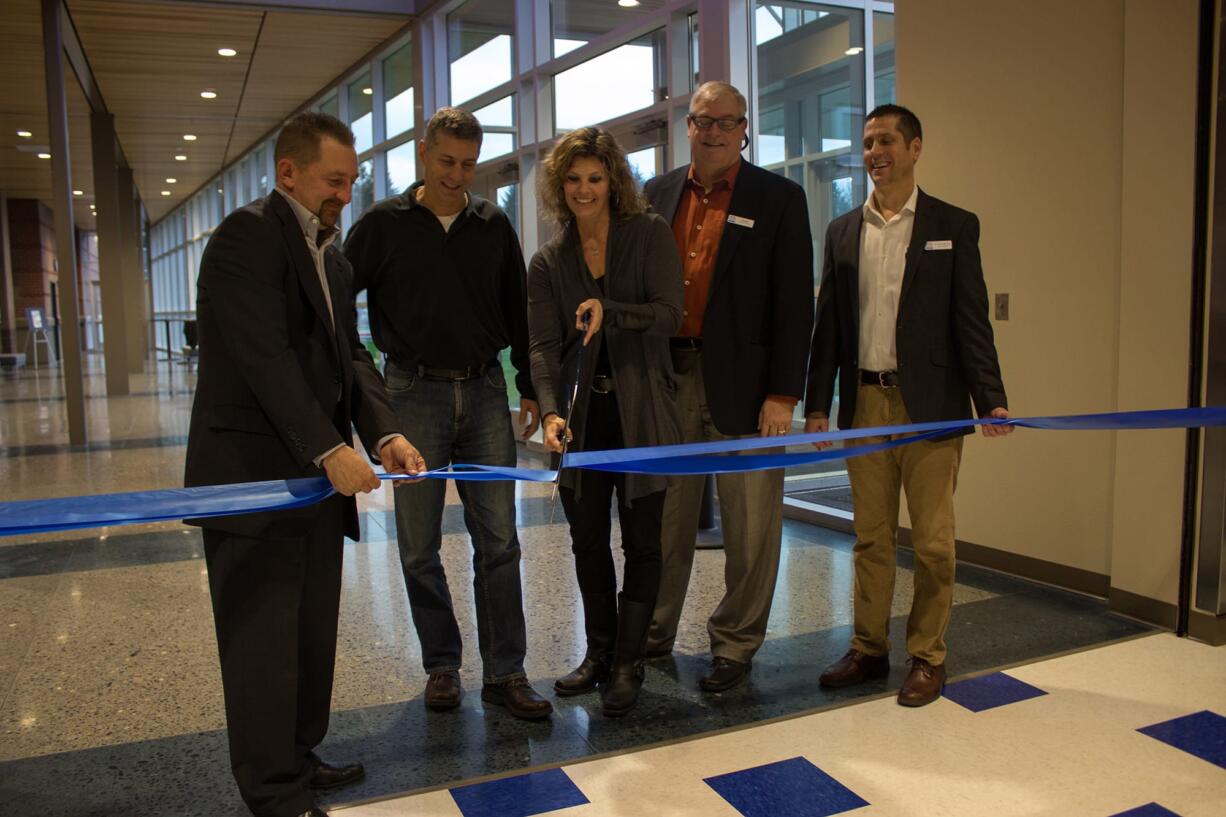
(602, 384)
(886, 380)
(689, 344)
(452, 374)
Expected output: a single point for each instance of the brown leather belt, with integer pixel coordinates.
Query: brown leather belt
(452, 374)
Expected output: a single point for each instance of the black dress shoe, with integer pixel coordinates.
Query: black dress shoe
(443, 690)
(328, 776)
(519, 697)
(725, 674)
(584, 677)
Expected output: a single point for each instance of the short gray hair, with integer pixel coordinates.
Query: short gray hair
(456, 123)
(717, 88)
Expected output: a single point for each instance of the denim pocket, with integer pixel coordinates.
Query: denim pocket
(495, 378)
(399, 382)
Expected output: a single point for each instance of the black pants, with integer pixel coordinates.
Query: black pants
(275, 604)
(590, 517)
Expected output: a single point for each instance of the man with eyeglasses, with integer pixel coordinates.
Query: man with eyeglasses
(740, 355)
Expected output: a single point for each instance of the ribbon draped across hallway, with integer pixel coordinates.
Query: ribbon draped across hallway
(723, 456)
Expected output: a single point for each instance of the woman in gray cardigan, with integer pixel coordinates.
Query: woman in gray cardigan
(604, 296)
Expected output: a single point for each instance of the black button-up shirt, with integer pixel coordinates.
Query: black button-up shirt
(445, 299)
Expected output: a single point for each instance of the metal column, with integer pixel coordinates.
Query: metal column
(65, 232)
(110, 252)
(136, 311)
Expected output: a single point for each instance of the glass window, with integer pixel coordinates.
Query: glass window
(401, 168)
(480, 45)
(615, 83)
(261, 171)
(498, 121)
(883, 58)
(643, 164)
(363, 191)
(811, 103)
(507, 197)
(398, 90)
(361, 116)
(576, 23)
(330, 106)
(694, 63)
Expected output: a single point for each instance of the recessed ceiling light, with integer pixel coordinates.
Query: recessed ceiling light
(227, 52)
(24, 134)
(854, 50)
(78, 192)
(368, 91)
(627, 4)
(208, 93)
(180, 157)
(44, 155)
(165, 192)
(189, 137)
(172, 180)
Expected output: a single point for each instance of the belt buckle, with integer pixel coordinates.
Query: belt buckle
(887, 380)
(601, 380)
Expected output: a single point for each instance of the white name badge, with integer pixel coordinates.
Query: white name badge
(939, 245)
(740, 221)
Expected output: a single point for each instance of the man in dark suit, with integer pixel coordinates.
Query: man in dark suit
(902, 316)
(747, 258)
(282, 377)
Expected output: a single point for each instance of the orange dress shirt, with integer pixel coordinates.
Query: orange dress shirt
(697, 226)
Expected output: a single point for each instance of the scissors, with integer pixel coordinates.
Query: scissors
(574, 395)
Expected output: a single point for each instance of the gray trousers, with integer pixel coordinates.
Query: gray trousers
(751, 516)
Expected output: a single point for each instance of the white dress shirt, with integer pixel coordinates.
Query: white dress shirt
(318, 240)
(883, 258)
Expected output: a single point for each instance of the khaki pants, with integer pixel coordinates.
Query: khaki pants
(751, 516)
(928, 472)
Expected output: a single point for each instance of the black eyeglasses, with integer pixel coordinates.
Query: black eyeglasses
(725, 124)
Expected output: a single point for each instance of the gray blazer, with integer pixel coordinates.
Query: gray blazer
(642, 310)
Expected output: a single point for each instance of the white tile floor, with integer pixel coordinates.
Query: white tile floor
(1073, 751)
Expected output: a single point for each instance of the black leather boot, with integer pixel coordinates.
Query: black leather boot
(626, 674)
(600, 624)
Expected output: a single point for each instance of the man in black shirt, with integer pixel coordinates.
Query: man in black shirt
(445, 275)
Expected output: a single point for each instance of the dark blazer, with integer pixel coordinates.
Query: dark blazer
(277, 386)
(642, 308)
(946, 354)
(759, 314)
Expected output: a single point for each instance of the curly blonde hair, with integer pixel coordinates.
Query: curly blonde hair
(624, 197)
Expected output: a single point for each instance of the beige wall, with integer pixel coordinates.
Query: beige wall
(1067, 127)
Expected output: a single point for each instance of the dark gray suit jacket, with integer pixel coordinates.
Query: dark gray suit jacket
(759, 315)
(278, 384)
(946, 354)
(642, 309)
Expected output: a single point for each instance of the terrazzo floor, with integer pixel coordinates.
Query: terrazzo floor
(110, 696)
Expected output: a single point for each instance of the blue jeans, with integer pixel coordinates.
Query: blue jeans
(460, 422)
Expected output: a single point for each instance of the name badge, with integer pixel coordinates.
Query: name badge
(740, 221)
(939, 245)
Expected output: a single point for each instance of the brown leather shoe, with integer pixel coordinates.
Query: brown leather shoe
(519, 697)
(725, 674)
(853, 668)
(443, 690)
(923, 685)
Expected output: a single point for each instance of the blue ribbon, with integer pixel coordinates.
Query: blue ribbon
(41, 515)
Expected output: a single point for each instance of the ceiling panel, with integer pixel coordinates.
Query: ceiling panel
(151, 61)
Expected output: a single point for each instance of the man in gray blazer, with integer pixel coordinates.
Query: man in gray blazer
(747, 261)
(902, 317)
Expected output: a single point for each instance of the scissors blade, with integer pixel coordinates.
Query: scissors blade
(574, 395)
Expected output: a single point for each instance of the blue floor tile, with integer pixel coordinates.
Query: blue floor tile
(1202, 734)
(990, 691)
(1147, 810)
(789, 788)
(520, 796)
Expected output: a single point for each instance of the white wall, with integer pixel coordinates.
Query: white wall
(1068, 128)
